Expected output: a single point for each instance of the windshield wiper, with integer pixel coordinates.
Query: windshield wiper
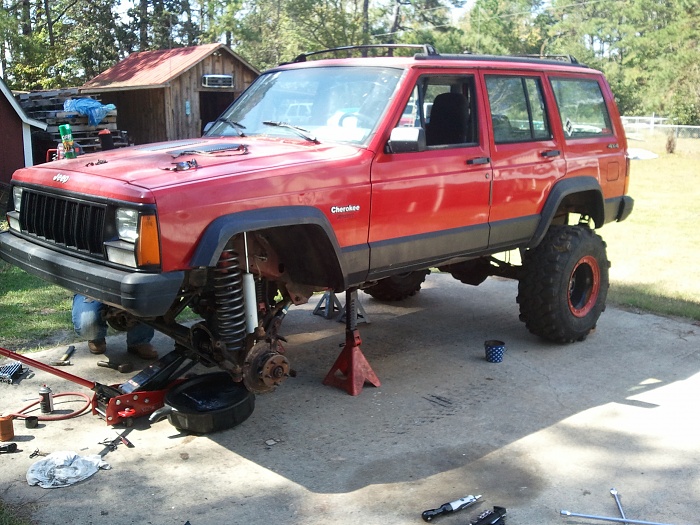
(235, 125)
(303, 133)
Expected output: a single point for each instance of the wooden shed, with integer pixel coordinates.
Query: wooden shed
(15, 137)
(173, 93)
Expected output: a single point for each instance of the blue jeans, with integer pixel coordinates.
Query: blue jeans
(88, 322)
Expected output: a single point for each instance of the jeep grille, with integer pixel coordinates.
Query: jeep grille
(66, 222)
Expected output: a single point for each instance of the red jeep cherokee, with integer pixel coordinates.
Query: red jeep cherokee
(394, 166)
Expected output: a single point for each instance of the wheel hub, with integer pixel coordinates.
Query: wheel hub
(265, 367)
(584, 286)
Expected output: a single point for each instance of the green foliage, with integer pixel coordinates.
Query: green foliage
(647, 48)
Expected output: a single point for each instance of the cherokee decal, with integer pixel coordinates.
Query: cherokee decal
(345, 209)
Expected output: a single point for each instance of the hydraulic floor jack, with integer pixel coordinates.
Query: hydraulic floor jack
(139, 396)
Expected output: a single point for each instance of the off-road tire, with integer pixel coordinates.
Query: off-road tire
(564, 284)
(398, 287)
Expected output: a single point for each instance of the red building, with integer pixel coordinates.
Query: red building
(15, 137)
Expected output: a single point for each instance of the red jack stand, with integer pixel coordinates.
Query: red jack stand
(351, 370)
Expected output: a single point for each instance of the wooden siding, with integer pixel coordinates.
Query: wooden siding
(186, 90)
(141, 113)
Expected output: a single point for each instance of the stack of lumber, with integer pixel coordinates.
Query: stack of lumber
(47, 106)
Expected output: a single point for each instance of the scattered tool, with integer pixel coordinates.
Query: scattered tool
(8, 448)
(497, 516)
(623, 519)
(447, 508)
(38, 452)
(10, 372)
(65, 360)
(112, 444)
(617, 500)
(605, 518)
(122, 367)
(122, 438)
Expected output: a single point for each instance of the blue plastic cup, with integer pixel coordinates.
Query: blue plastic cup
(494, 350)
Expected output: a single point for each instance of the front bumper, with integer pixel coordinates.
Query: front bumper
(142, 294)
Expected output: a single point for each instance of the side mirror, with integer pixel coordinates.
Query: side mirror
(407, 140)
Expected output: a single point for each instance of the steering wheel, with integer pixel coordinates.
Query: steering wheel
(361, 119)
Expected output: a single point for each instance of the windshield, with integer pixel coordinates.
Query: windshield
(334, 104)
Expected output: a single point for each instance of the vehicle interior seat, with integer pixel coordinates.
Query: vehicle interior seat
(449, 120)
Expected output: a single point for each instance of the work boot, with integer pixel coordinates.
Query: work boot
(99, 346)
(143, 350)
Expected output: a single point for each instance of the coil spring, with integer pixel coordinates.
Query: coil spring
(230, 308)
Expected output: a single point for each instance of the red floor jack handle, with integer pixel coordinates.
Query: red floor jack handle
(110, 402)
(48, 368)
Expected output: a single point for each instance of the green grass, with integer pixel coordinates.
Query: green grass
(34, 314)
(655, 252)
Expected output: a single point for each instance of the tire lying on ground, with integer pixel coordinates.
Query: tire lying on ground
(564, 284)
(398, 287)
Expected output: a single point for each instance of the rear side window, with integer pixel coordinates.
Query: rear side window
(581, 107)
(518, 112)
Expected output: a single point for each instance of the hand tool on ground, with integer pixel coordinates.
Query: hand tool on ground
(121, 367)
(447, 508)
(38, 452)
(617, 500)
(139, 396)
(10, 372)
(605, 518)
(65, 360)
(491, 517)
(112, 444)
(122, 438)
(7, 448)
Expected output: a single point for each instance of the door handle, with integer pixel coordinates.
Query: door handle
(551, 153)
(479, 160)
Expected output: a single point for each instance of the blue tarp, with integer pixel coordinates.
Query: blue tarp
(94, 109)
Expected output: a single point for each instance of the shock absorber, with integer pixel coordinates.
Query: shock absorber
(230, 304)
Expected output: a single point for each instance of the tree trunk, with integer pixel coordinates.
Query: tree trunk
(26, 23)
(396, 23)
(143, 25)
(49, 22)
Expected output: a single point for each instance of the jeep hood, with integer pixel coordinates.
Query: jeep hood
(159, 165)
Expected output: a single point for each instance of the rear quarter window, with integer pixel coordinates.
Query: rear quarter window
(581, 107)
(518, 111)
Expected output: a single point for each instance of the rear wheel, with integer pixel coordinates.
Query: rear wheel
(398, 287)
(564, 284)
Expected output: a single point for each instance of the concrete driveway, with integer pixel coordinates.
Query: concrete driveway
(550, 428)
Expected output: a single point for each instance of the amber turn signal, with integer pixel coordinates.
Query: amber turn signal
(147, 246)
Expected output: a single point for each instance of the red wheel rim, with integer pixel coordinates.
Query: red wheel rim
(584, 286)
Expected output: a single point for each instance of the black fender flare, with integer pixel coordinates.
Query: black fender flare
(563, 189)
(219, 231)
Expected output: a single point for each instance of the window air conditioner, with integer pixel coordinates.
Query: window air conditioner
(217, 81)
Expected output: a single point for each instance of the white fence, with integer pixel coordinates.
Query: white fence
(645, 126)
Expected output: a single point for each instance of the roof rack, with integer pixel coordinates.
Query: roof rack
(561, 58)
(534, 59)
(427, 49)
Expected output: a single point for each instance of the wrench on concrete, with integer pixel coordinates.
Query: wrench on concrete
(605, 518)
(617, 500)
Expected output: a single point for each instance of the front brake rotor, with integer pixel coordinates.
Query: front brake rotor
(265, 367)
